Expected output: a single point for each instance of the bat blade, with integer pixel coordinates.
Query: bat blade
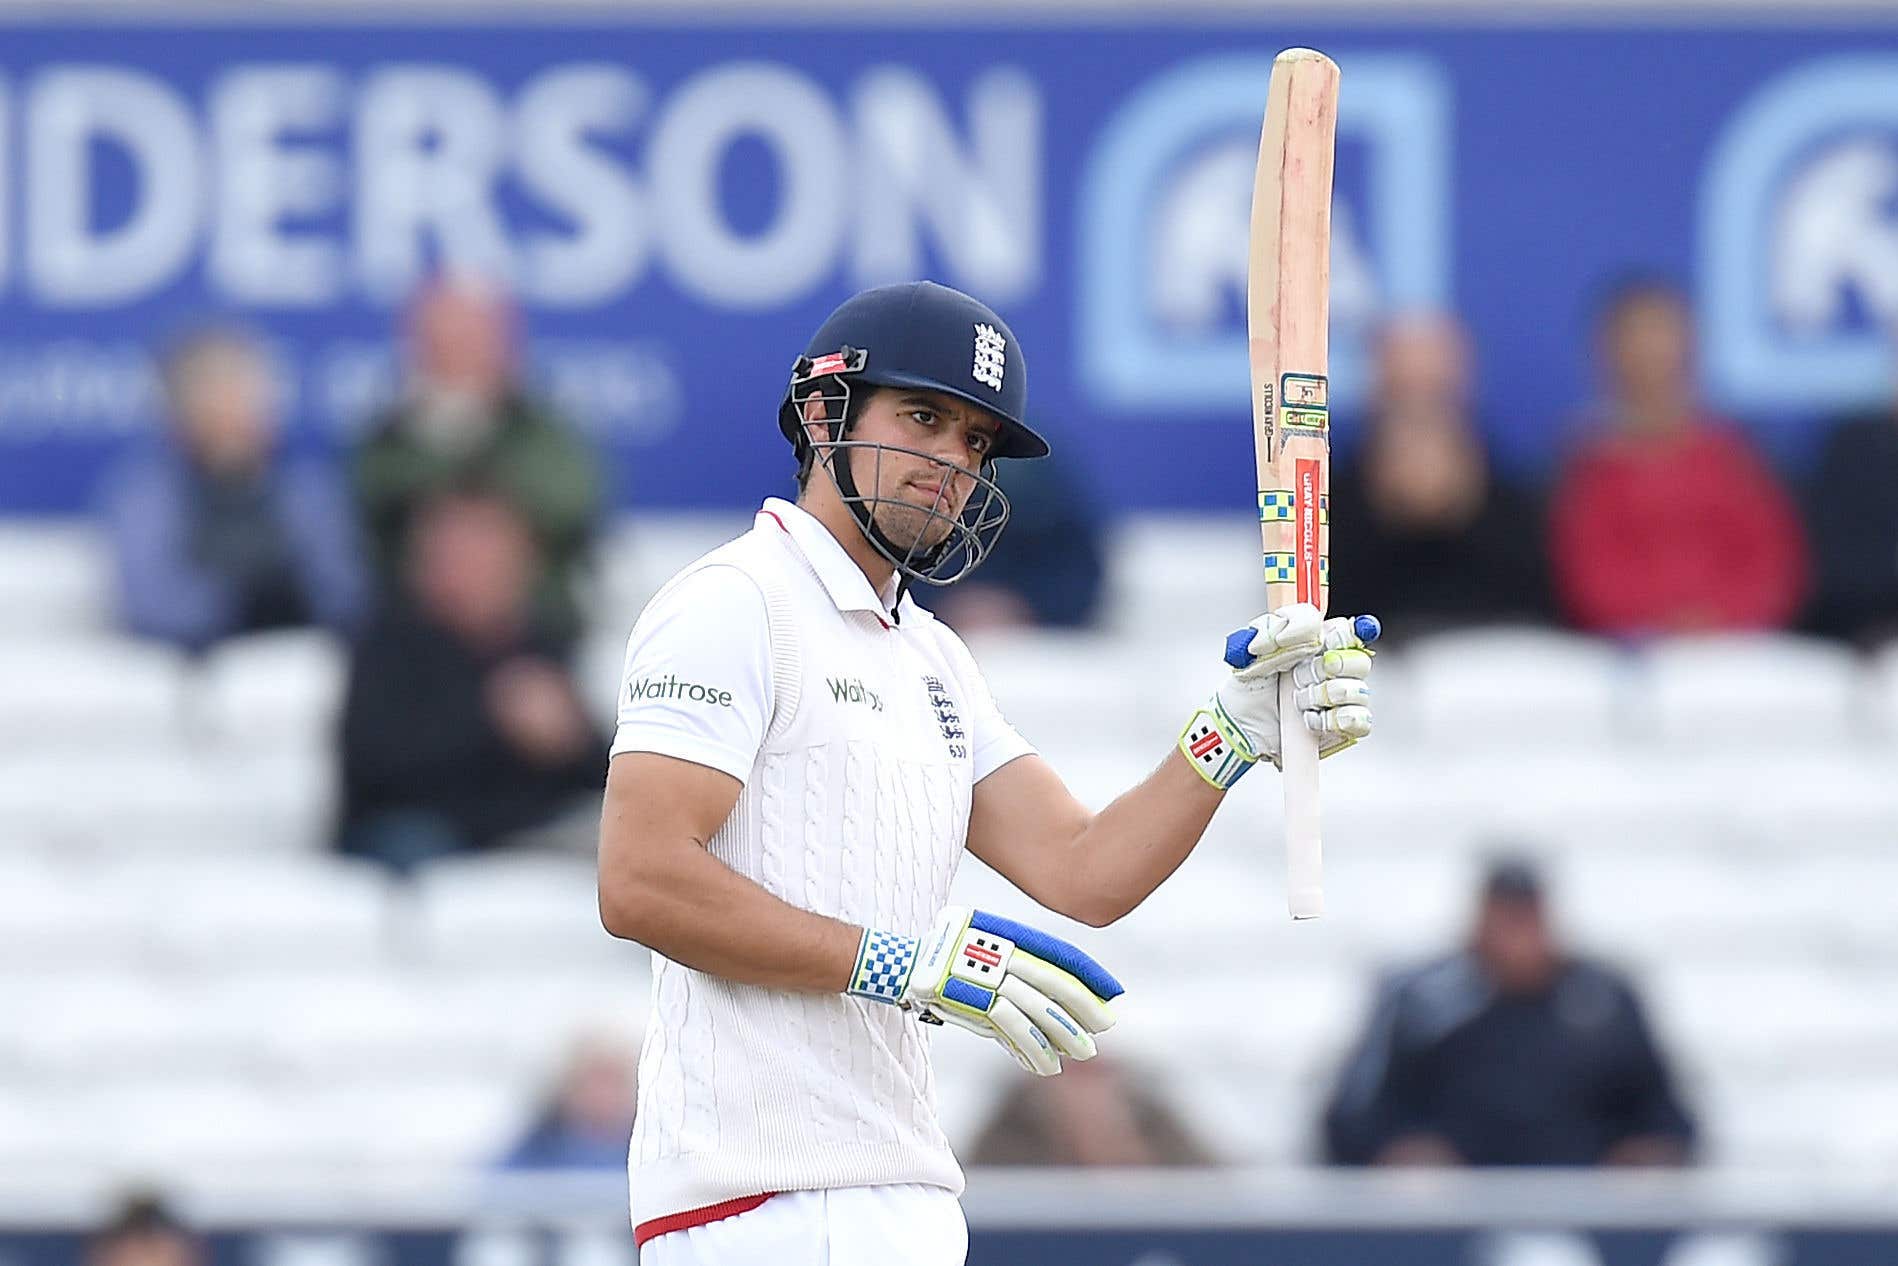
(1287, 308)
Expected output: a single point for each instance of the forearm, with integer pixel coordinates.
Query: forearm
(1129, 848)
(694, 909)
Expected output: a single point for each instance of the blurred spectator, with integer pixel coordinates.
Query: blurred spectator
(465, 417)
(213, 532)
(142, 1232)
(1425, 532)
(588, 1121)
(1669, 521)
(1510, 1052)
(462, 727)
(1852, 512)
(1092, 1114)
(1048, 564)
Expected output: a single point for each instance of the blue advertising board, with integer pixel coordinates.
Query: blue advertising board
(677, 206)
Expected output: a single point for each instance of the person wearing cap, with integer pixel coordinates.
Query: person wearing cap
(803, 754)
(1511, 1051)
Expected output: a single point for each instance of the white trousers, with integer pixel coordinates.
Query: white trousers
(898, 1225)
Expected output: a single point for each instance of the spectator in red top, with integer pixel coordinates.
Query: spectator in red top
(1668, 521)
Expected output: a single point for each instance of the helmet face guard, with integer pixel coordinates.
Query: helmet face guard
(943, 543)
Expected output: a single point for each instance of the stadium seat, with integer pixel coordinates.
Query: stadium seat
(288, 911)
(54, 916)
(1515, 688)
(1747, 690)
(37, 1139)
(639, 553)
(1179, 576)
(160, 1125)
(598, 667)
(390, 1025)
(1068, 692)
(79, 694)
(1780, 1020)
(1884, 683)
(55, 579)
(1837, 1127)
(440, 1122)
(277, 690)
(520, 910)
(166, 797)
(69, 1030)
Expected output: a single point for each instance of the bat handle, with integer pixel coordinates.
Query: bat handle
(1304, 848)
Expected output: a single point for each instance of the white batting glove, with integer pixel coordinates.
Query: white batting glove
(1329, 661)
(1037, 995)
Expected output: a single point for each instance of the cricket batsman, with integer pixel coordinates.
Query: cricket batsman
(802, 756)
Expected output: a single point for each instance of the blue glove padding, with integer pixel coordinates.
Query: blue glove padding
(1037, 995)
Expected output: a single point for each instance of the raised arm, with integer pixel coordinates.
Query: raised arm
(1095, 867)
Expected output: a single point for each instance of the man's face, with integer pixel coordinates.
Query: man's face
(918, 498)
(472, 563)
(1649, 346)
(462, 341)
(1516, 945)
(148, 1248)
(1423, 364)
(223, 399)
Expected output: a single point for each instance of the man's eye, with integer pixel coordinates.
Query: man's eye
(925, 416)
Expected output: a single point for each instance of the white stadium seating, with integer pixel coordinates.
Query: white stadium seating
(54, 577)
(190, 979)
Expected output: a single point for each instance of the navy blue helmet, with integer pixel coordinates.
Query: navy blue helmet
(920, 334)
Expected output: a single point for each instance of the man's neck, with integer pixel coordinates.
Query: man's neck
(1658, 414)
(843, 527)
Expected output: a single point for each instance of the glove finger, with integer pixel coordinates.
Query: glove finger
(1029, 1043)
(981, 1026)
(1060, 1028)
(1286, 628)
(1353, 721)
(1344, 663)
(1350, 631)
(1064, 988)
(1332, 693)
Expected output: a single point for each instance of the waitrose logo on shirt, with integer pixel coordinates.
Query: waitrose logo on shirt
(670, 687)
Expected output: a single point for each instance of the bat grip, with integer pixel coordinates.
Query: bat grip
(1304, 850)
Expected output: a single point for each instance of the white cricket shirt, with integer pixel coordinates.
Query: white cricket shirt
(859, 736)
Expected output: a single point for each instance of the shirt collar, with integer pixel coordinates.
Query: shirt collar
(842, 579)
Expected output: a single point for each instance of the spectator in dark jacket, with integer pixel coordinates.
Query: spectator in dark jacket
(1668, 521)
(462, 728)
(1424, 529)
(1852, 512)
(214, 533)
(466, 418)
(1511, 1052)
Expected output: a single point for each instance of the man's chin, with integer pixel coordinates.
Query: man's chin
(914, 532)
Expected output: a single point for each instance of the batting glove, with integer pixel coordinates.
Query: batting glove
(1037, 995)
(1329, 661)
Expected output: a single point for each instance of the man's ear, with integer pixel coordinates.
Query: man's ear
(816, 426)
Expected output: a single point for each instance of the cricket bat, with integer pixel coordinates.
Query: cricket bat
(1287, 305)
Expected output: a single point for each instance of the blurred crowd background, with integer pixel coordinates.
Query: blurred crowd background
(302, 734)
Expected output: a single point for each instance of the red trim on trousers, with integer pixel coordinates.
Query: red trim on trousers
(697, 1217)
